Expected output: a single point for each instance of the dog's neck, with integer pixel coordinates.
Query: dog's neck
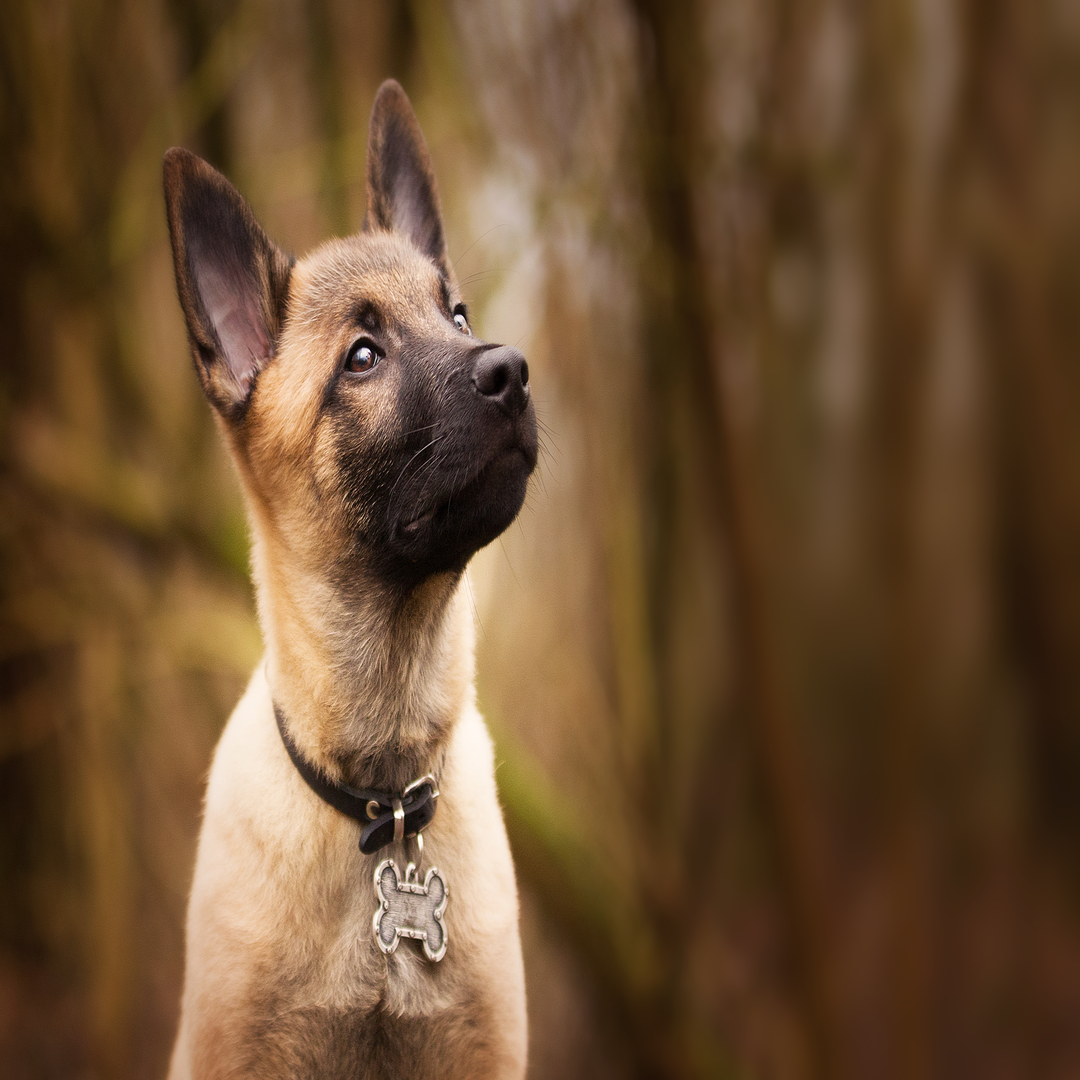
(370, 681)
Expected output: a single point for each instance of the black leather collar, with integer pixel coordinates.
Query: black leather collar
(385, 816)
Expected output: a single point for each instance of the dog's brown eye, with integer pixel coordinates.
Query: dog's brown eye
(363, 356)
(460, 319)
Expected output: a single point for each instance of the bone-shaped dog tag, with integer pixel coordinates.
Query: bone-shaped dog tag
(409, 909)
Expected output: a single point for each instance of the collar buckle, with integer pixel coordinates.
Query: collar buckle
(385, 816)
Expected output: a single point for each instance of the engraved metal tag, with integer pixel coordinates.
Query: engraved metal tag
(409, 909)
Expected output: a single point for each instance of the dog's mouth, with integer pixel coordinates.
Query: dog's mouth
(411, 528)
(470, 499)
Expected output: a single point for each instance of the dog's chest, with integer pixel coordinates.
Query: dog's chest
(330, 1004)
(329, 1042)
(327, 957)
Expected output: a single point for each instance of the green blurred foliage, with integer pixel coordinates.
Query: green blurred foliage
(781, 657)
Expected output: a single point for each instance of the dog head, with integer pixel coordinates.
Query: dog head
(374, 434)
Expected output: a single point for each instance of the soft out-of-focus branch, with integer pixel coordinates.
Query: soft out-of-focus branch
(558, 856)
(326, 79)
(1024, 274)
(907, 215)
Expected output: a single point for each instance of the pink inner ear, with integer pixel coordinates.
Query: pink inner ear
(237, 320)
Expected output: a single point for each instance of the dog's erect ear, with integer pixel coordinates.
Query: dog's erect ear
(401, 191)
(232, 280)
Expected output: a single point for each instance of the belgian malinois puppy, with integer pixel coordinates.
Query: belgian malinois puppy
(379, 445)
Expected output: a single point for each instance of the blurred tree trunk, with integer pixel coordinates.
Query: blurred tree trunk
(682, 294)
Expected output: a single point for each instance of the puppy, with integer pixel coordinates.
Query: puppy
(379, 445)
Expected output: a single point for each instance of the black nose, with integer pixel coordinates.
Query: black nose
(502, 376)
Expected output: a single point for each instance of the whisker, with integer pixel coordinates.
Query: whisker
(417, 430)
(486, 232)
(461, 474)
(477, 275)
(404, 467)
(509, 562)
(472, 600)
(545, 427)
(427, 482)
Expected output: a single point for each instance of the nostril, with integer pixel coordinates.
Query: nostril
(501, 375)
(491, 379)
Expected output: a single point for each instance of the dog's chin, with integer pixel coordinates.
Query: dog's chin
(444, 536)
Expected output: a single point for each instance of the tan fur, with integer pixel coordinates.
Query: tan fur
(283, 977)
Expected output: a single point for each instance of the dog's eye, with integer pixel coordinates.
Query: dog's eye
(461, 321)
(363, 356)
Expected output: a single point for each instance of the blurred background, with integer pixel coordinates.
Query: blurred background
(782, 657)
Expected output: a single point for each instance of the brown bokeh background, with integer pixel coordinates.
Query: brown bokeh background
(782, 658)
